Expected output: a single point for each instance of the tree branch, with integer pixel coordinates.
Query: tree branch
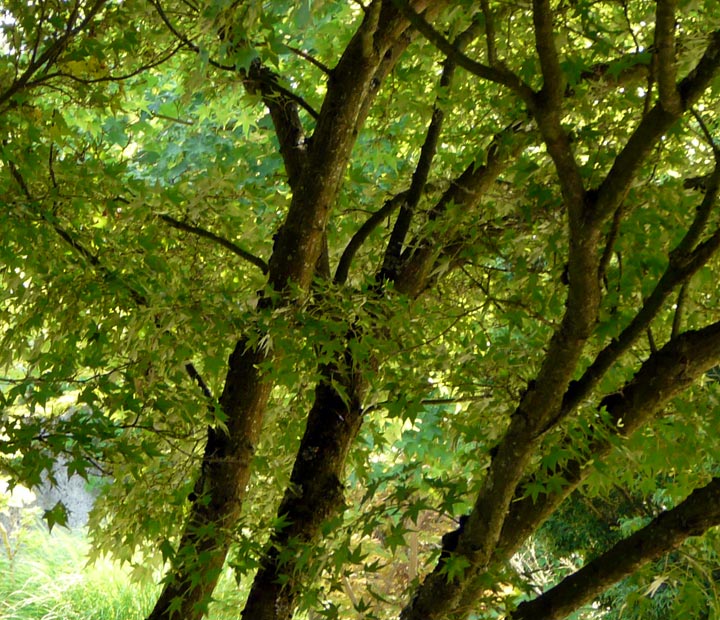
(692, 517)
(684, 261)
(108, 78)
(51, 54)
(489, 33)
(547, 110)
(553, 78)
(311, 59)
(677, 365)
(284, 113)
(653, 125)
(350, 88)
(665, 50)
(343, 268)
(228, 245)
(195, 375)
(498, 75)
(185, 40)
(679, 309)
(281, 102)
(610, 243)
(706, 133)
(391, 261)
(465, 192)
(538, 411)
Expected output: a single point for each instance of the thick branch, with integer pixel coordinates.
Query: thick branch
(349, 89)
(285, 116)
(489, 33)
(228, 245)
(692, 517)
(665, 50)
(547, 110)
(315, 493)
(677, 365)
(537, 406)
(653, 125)
(553, 78)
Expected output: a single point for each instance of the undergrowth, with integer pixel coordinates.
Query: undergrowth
(48, 578)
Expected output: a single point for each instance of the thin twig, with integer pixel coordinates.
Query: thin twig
(229, 245)
(194, 374)
(651, 340)
(610, 243)
(108, 78)
(708, 136)
(187, 42)
(311, 59)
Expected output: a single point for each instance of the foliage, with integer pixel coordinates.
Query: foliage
(50, 578)
(306, 282)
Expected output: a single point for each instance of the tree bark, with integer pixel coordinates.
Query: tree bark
(298, 244)
(219, 491)
(696, 514)
(315, 492)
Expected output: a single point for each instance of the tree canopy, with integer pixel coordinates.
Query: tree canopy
(397, 308)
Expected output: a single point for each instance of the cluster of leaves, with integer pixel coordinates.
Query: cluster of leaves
(144, 181)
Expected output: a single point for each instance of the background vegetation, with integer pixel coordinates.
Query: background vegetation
(363, 309)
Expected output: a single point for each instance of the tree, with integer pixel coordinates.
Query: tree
(462, 257)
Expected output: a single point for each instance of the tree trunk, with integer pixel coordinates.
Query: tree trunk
(219, 491)
(315, 492)
(298, 244)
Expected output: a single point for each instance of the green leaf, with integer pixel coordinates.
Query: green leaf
(57, 515)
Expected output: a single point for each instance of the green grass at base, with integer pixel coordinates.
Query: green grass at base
(49, 579)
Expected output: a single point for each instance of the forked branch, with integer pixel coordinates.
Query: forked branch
(355, 243)
(492, 74)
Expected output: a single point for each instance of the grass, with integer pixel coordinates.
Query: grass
(48, 579)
